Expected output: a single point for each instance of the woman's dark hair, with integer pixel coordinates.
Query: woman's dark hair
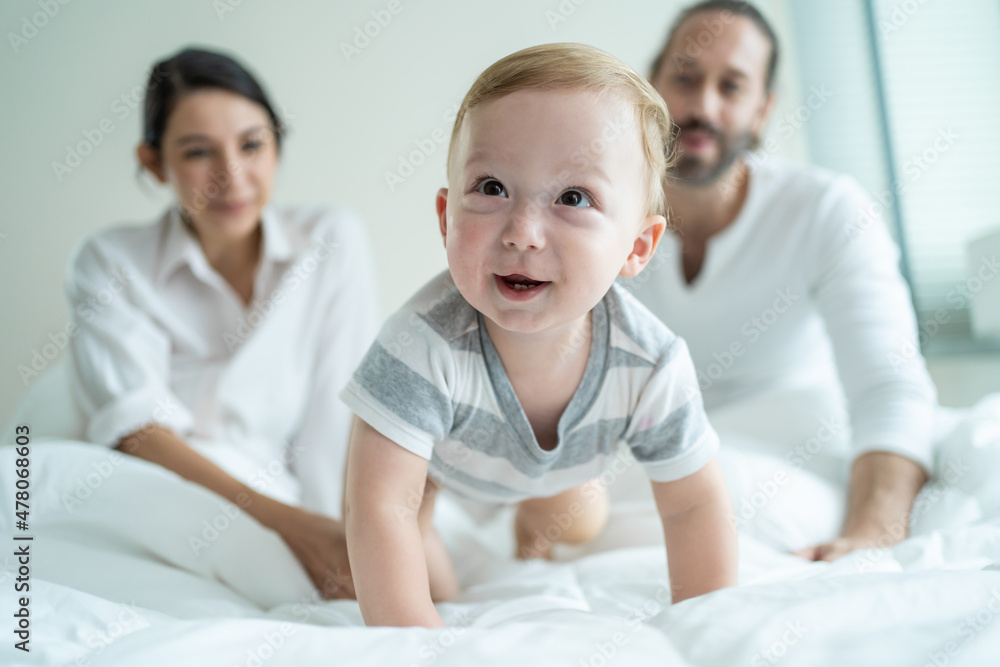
(736, 8)
(196, 69)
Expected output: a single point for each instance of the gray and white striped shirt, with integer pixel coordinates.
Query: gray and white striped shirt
(434, 383)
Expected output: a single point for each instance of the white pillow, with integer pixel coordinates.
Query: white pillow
(49, 409)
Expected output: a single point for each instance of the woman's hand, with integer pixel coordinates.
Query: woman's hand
(320, 544)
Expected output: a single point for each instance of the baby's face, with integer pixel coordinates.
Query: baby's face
(546, 206)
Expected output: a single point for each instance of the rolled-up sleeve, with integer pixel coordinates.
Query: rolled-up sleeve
(866, 306)
(121, 358)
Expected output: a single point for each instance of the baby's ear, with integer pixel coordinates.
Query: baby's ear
(644, 245)
(441, 203)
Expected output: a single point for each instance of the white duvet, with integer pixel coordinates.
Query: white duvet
(131, 565)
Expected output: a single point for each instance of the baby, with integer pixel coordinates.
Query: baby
(519, 374)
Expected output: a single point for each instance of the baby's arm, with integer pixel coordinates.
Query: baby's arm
(702, 549)
(385, 489)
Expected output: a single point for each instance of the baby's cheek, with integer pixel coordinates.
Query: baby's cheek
(473, 244)
(465, 266)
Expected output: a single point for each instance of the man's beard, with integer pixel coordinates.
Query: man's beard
(696, 171)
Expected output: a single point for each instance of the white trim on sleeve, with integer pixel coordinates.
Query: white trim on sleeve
(687, 463)
(404, 434)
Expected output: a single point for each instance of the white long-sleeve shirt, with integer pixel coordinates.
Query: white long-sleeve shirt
(802, 290)
(162, 338)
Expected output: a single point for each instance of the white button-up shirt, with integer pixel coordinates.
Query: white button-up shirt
(802, 292)
(162, 338)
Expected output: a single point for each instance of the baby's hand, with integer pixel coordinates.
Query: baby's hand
(701, 541)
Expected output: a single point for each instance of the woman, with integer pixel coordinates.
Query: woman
(213, 341)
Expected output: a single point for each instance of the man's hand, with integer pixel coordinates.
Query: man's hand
(883, 488)
(320, 544)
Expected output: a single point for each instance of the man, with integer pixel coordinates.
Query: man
(774, 277)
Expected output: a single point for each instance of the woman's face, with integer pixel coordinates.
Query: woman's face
(219, 152)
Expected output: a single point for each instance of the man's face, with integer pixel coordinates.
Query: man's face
(713, 80)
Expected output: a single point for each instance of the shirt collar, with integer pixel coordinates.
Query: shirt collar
(277, 245)
(180, 246)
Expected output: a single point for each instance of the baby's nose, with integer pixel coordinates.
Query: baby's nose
(525, 229)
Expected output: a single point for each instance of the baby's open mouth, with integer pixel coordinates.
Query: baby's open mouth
(520, 282)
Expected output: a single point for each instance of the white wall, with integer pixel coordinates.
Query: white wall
(964, 379)
(844, 133)
(351, 121)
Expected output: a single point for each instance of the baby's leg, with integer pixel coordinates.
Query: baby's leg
(574, 516)
(440, 571)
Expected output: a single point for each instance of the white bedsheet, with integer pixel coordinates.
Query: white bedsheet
(118, 576)
(118, 580)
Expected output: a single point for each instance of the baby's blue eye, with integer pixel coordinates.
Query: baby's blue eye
(492, 188)
(574, 198)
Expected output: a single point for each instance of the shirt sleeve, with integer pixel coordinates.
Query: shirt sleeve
(349, 324)
(402, 388)
(866, 306)
(669, 433)
(121, 358)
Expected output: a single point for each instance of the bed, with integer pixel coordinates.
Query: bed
(131, 565)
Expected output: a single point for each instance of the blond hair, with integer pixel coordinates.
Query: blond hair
(570, 66)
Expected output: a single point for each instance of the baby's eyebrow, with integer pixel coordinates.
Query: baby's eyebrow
(590, 172)
(480, 156)
(475, 156)
(572, 168)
